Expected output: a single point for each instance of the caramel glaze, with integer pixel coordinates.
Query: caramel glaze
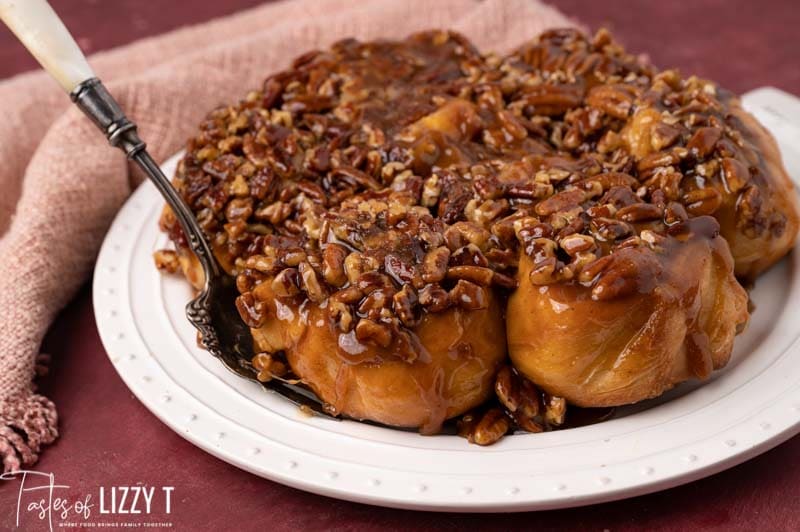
(441, 368)
(379, 201)
(754, 251)
(677, 322)
(731, 168)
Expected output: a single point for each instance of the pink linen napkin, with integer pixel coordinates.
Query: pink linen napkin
(62, 184)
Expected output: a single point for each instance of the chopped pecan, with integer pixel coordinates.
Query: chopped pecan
(555, 410)
(485, 428)
(274, 213)
(434, 298)
(268, 367)
(463, 233)
(401, 271)
(167, 260)
(355, 264)
(373, 332)
(560, 202)
(405, 302)
(640, 212)
(377, 300)
(703, 141)
(333, 256)
(614, 100)
(431, 191)
(516, 393)
(663, 136)
(674, 213)
(702, 201)
(469, 296)
(630, 270)
(551, 100)
(476, 274)
(485, 212)
(735, 174)
(293, 257)
(748, 210)
(575, 243)
(310, 282)
(252, 311)
(469, 255)
(591, 271)
(263, 263)
(613, 179)
(655, 241)
(356, 177)
(662, 158)
(341, 314)
(609, 230)
(286, 283)
(371, 281)
(544, 271)
(530, 190)
(434, 266)
(349, 295)
(454, 197)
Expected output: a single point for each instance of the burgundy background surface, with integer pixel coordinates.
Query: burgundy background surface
(108, 438)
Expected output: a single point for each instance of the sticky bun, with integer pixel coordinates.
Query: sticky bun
(419, 231)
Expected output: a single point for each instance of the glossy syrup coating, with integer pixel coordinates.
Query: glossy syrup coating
(379, 202)
(678, 321)
(694, 141)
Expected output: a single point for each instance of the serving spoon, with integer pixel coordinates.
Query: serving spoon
(213, 311)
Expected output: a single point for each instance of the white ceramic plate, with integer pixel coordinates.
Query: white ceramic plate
(751, 406)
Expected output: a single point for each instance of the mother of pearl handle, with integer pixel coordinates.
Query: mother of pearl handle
(41, 31)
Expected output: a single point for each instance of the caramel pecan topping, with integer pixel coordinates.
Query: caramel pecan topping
(386, 180)
(566, 151)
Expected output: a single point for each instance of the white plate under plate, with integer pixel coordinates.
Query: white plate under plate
(749, 407)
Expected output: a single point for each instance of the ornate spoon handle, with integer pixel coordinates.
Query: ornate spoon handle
(43, 33)
(95, 101)
(213, 313)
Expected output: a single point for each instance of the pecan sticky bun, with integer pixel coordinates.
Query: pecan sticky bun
(420, 231)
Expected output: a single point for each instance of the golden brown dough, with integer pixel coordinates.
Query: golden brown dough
(755, 248)
(677, 322)
(442, 368)
(401, 327)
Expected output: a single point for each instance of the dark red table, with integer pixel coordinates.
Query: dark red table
(109, 439)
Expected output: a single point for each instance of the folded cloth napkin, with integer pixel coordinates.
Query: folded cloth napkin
(61, 184)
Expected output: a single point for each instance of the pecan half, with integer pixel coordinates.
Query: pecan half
(373, 332)
(333, 257)
(434, 298)
(252, 311)
(614, 100)
(485, 428)
(703, 141)
(310, 283)
(702, 201)
(640, 212)
(469, 296)
(434, 266)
